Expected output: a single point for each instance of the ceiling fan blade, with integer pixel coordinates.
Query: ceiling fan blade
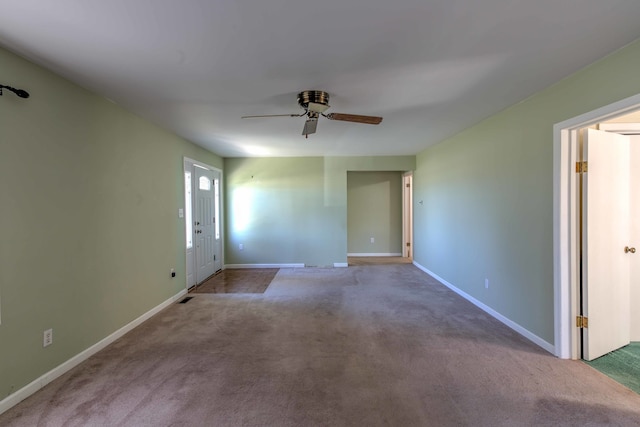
(310, 127)
(272, 115)
(369, 120)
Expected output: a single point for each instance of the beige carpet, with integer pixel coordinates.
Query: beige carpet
(381, 345)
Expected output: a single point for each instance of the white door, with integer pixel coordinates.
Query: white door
(605, 234)
(204, 224)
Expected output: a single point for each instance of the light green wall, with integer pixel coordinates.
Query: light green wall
(89, 198)
(374, 209)
(487, 195)
(292, 210)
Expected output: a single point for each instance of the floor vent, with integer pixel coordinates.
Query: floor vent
(185, 300)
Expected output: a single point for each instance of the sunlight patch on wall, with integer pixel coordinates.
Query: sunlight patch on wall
(242, 208)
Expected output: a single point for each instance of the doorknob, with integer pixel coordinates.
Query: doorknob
(627, 249)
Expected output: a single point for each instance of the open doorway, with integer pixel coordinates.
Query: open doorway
(203, 223)
(567, 225)
(612, 343)
(376, 209)
(374, 214)
(379, 217)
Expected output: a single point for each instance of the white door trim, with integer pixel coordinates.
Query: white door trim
(565, 221)
(407, 215)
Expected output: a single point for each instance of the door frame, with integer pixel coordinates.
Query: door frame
(188, 165)
(407, 215)
(566, 222)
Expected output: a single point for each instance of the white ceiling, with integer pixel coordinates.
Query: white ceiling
(430, 67)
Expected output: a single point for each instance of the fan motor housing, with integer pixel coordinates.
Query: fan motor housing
(314, 100)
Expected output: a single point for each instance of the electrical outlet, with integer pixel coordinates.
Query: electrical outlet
(486, 283)
(47, 338)
(241, 247)
(173, 272)
(373, 240)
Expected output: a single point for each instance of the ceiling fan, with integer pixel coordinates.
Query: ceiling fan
(315, 103)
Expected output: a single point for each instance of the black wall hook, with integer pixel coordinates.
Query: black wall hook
(21, 93)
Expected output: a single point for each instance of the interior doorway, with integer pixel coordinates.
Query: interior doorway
(374, 213)
(203, 222)
(567, 226)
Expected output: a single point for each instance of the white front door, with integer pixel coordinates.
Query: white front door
(605, 234)
(204, 227)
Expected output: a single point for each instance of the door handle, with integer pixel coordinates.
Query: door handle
(627, 249)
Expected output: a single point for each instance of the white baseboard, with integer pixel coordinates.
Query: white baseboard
(508, 322)
(294, 265)
(26, 391)
(264, 266)
(375, 254)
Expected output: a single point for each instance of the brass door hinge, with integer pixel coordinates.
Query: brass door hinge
(581, 167)
(582, 322)
(408, 244)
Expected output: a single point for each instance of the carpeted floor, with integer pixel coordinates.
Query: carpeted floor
(238, 281)
(382, 345)
(623, 365)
